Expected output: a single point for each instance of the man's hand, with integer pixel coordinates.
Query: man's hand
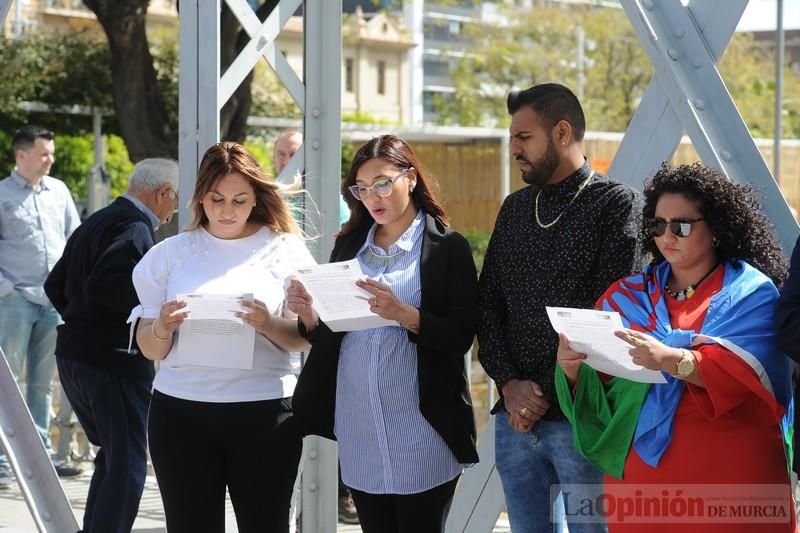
(523, 425)
(525, 402)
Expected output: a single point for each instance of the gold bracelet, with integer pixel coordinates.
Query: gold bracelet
(156, 335)
(413, 328)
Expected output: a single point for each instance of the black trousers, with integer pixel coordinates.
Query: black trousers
(424, 512)
(112, 410)
(200, 448)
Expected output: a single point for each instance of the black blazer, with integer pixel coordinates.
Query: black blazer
(448, 319)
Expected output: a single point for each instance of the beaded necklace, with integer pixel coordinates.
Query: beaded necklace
(689, 291)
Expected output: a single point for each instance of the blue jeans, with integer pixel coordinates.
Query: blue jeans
(530, 463)
(112, 410)
(28, 338)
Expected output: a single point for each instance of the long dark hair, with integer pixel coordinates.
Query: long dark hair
(397, 152)
(732, 211)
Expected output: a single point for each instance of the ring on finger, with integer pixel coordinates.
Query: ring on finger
(523, 412)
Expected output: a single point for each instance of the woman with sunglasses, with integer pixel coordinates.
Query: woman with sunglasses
(702, 314)
(396, 398)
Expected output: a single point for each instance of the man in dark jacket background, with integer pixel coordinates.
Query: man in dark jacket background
(107, 384)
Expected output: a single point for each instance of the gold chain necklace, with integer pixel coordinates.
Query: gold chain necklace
(542, 225)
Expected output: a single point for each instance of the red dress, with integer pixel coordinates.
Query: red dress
(726, 433)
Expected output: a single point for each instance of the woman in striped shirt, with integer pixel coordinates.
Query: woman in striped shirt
(396, 397)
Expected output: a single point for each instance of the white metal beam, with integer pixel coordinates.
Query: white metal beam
(188, 158)
(198, 85)
(262, 44)
(4, 5)
(655, 129)
(322, 122)
(414, 13)
(98, 186)
(209, 101)
(479, 500)
(29, 459)
(322, 35)
(686, 71)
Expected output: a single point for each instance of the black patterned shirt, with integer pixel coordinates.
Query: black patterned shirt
(569, 264)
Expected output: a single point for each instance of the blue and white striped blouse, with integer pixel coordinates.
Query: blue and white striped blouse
(385, 444)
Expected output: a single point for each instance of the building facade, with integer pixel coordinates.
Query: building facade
(375, 82)
(27, 17)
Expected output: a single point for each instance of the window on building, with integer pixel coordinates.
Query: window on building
(381, 77)
(348, 74)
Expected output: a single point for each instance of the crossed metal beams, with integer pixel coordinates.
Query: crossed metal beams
(687, 92)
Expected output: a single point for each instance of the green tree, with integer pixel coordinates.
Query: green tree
(59, 70)
(748, 70)
(140, 98)
(541, 45)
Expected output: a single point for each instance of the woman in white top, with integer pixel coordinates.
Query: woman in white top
(217, 427)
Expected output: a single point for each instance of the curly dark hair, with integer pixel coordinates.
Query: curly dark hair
(732, 211)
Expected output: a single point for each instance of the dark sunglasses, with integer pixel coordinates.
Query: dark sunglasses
(680, 227)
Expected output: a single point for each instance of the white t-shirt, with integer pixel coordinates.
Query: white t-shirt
(196, 261)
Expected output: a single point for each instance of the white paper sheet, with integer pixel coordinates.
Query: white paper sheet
(212, 335)
(341, 304)
(591, 332)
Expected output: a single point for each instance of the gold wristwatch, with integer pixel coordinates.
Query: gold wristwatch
(686, 365)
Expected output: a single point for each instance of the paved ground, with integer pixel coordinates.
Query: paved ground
(15, 518)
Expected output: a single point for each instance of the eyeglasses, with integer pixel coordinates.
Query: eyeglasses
(680, 227)
(382, 188)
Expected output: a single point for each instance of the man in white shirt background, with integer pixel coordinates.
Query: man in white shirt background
(37, 215)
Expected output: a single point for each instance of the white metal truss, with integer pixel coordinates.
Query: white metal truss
(322, 71)
(203, 93)
(38, 481)
(658, 127)
(479, 499)
(4, 5)
(688, 93)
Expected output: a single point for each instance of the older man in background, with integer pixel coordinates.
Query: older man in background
(107, 380)
(286, 145)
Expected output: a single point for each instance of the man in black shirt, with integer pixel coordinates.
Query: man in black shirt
(108, 384)
(561, 242)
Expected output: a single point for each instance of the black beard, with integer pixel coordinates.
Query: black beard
(543, 168)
